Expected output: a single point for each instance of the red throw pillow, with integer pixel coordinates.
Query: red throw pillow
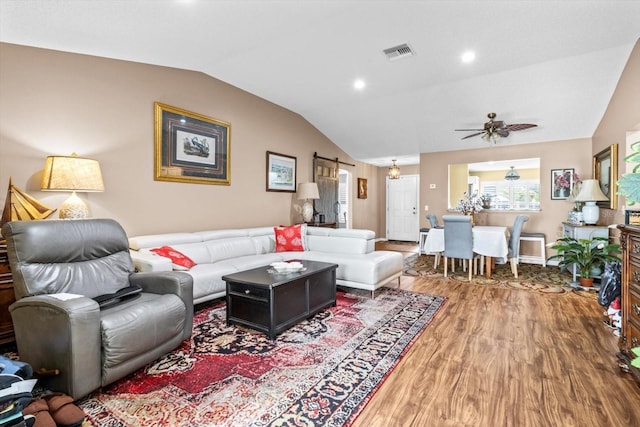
(176, 257)
(289, 238)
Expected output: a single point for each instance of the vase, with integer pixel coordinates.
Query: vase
(473, 218)
(586, 282)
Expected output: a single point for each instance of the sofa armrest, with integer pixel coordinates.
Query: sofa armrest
(169, 282)
(146, 262)
(60, 331)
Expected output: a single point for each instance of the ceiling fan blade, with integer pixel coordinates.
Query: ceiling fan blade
(502, 132)
(520, 126)
(472, 135)
(469, 130)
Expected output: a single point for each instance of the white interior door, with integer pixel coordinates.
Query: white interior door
(402, 208)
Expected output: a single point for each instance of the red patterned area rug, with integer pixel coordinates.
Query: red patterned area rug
(320, 372)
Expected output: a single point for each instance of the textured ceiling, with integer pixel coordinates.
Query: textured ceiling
(554, 63)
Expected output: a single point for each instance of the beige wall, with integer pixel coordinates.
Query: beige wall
(56, 103)
(574, 154)
(621, 116)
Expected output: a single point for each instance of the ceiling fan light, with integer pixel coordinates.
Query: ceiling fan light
(491, 137)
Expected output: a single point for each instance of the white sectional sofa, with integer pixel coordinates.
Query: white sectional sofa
(220, 252)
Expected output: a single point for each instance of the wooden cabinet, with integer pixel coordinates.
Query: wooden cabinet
(630, 299)
(7, 297)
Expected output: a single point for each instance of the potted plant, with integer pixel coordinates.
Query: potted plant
(585, 254)
(486, 200)
(629, 184)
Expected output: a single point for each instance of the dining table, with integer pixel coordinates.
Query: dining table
(490, 241)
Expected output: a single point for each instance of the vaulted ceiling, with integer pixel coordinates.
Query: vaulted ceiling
(553, 63)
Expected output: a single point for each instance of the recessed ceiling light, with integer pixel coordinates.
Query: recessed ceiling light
(468, 56)
(359, 84)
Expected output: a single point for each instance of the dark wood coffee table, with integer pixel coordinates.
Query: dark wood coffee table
(273, 302)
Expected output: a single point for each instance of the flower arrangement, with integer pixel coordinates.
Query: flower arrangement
(470, 204)
(575, 189)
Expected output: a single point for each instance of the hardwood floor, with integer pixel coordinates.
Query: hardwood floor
(494, 357)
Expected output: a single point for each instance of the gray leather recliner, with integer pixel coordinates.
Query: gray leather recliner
(58, 267)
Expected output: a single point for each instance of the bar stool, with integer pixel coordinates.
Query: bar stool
(422, 239)
(534, 259)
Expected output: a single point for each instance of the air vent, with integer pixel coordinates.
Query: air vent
(397, 52)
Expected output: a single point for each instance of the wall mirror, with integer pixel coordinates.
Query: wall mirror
(605, 170)
(488, 179)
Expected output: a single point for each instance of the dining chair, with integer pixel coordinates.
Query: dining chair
(458, 241)
(433, 219)
(514, 243)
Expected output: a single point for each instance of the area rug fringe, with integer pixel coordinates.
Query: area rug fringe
(321, 372)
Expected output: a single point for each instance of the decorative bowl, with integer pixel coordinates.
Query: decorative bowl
(287, 267)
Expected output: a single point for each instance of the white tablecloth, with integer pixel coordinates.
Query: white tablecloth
(489, 241)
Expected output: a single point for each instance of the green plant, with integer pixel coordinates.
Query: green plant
(584, 253)
(629, 184)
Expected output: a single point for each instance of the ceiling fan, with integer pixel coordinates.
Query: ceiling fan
(495, 129)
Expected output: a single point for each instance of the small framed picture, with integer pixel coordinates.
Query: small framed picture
(362, 188)
(281, 172)
(561, 183)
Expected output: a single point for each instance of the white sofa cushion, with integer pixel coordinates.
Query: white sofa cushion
(157, 240)
(372, 269)
(222, 249)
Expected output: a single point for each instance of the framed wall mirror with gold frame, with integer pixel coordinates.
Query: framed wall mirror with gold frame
(605, 170)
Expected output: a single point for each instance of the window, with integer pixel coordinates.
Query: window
(343, 198)
(523, 194)
(489, 177)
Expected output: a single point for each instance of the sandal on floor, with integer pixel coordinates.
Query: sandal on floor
(40, 410)
(64, 412)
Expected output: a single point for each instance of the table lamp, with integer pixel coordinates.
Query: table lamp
(306, 191)
(72, 173)
(590, 193)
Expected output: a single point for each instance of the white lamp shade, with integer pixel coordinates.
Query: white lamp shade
(308, 190)
(72, 173)
(590, 192)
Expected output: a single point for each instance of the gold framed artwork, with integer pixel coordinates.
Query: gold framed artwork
(362, 188)
(605, 170)
(191, 147)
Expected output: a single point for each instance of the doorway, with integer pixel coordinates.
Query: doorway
(402, 208)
